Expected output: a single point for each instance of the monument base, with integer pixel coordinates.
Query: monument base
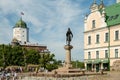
(67, 67)
(68, 56)
(66, 70)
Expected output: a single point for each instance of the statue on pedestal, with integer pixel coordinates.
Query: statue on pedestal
(69, 36)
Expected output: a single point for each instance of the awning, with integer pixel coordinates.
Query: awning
(105, 61)
(89, 61)
(97, 61)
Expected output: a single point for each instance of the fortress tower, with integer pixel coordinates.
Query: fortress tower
(21, 32)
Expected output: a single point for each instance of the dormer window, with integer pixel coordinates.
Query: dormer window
(93, 24)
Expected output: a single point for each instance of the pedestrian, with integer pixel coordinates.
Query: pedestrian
(14, 76)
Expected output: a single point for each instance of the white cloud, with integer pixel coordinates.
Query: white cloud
(48, 21)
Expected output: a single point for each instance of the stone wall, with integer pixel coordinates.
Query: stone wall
(116, 66)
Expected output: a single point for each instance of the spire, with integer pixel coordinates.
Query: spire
(101, 6)
(21, 15)
(94, 2)
(94, 6)
(102, 2)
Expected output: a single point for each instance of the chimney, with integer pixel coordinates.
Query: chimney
(118, 1)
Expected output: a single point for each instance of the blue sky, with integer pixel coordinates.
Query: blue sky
(48, 21)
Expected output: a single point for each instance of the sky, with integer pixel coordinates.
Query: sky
(48, 21)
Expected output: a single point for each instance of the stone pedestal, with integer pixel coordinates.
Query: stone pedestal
(67, 68)
(68, 56)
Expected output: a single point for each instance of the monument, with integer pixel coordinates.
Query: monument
(67, 67)
(68, 48)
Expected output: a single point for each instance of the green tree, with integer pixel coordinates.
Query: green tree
(54, 65)
(46, 60)
(32, 56)
(11, 55)
(19, 56)
(14, 56)
(1, 55)
(77, 64)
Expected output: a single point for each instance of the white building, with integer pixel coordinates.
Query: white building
(102, 36)
(21, 32)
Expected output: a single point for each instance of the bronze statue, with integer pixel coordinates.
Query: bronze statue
(69, 36)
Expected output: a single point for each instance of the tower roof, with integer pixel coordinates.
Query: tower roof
(20, 24)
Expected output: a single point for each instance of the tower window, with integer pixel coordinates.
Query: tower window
(93, 24)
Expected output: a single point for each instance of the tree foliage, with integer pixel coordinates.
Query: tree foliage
(46, 60)
(32, 57)
(19, 56)
(78, 64)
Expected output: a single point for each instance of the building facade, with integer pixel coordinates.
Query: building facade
(102, 36)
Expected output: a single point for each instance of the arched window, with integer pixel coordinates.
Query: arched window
(93, 24)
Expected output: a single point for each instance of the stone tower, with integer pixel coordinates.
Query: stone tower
(20, 32)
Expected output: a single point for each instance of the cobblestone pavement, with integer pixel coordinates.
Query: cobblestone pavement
(108, 76)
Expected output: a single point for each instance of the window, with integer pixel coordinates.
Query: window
(97, 38)
(97, 54)
(93, 24)
(116, 53)
(89, 39)
(106, 53)
(116, 35)
(89, 55)
(106, 37)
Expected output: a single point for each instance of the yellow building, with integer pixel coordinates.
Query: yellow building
(102, 36)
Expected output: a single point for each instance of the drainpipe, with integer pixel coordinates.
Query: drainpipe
(109, 48)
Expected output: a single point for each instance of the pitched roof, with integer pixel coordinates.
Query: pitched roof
(113, 14)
